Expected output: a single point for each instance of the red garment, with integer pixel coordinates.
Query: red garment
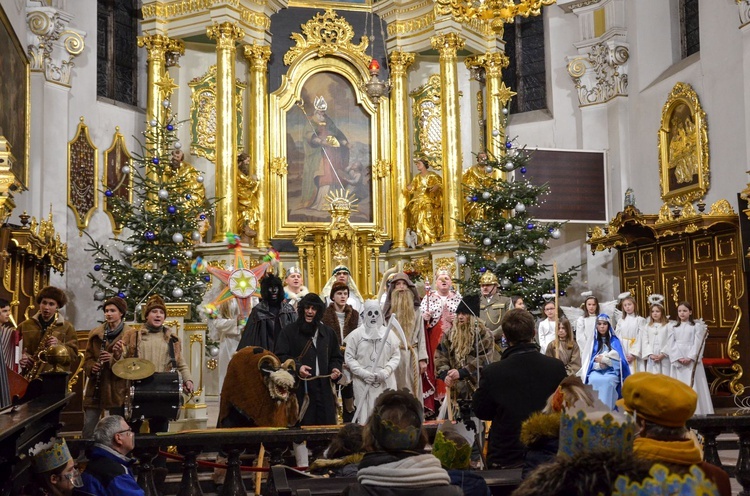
(433, 389)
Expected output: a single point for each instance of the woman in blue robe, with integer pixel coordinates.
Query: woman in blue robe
(607, 365)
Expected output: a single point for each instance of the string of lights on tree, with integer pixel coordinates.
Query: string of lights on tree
(160, 226)
(507, 240)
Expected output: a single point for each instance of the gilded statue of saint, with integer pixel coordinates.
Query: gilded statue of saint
(247, 197)
(197, 191)
(475, 178)
(425, 208)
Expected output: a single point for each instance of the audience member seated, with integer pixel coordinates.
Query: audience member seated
(454, 452)
(343, 454)
(54, 470)
(395, 462)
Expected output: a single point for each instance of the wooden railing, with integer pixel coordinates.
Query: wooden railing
(711, 426)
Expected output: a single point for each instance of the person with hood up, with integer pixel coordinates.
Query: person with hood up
(606, 364)
(315, 350)
(268, 317)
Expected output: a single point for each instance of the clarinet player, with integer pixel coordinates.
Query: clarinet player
(46, 328)
(104, 390)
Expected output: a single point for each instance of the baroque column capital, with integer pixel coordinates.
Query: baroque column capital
(52, 44)
(744, 7)
(400, 62)
(601, 74)
(447, 44)
(157, 45)
(492, 62)
(258, 56)
(225, 34)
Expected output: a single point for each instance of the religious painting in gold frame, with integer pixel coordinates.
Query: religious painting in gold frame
(683, 147)
(14, 98)
(117, 181)
(83, 176)
(329, 66)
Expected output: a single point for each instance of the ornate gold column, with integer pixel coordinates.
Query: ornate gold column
(447, 45)
(157, 46)
(497, 97)
(400, 62)
(226, 35)
(258, 57)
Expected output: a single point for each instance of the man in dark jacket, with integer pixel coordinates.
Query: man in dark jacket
(268, 317)
(108, 471)
(515, 387)
(316, 352)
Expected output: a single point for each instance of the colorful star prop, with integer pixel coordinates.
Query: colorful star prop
(240, 282)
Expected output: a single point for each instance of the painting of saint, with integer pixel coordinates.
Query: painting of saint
(328, 148)
(684, 159)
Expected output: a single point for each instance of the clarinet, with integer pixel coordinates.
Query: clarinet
(97, 384)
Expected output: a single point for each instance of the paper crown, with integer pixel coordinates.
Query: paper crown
(293, 270)
(50, 455)
(663, 483)
(450, 450)
(584, 429)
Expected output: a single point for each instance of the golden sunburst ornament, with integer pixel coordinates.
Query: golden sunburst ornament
(341, 201)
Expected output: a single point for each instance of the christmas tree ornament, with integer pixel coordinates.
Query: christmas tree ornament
(505, 283)
(121, 295)
(555, 233)
(149, 235)
(523, 170)
(508, 145)
(509, 166)
(486, 195)
(540, 241)
(200, 179)
(188, 253)
(202, 216)
(177, 292)
(166, 103)
(153, 122)
(125, 169)
(488, 169)
(99, 295)
(170, 127)
(177, 145)
(508, 226)
(487, 241)
(108, 193)
(128, 250)
(173, 262)
(529, 226)
(97, 267)
(468, 198)
(172, 209)
(495, 133)
(505, 110)
(177, 237)
(213, 351)
(148, 276)
(207, 278)
(461, 259)
(155, 160)
(188, 196)
(529, 262)
(520, 279)
(195, 236)
(520, 207)
(163, 194)
(482, 269)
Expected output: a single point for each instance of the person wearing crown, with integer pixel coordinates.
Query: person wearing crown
(492, 307)
(438, 310)
(425, 209)
(47, 322)
(158, 344)
(54, 470)
(342, 274)
(326, 157)
(294, 288)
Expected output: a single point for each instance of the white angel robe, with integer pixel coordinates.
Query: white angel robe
(686, 341)
(629, 329)
(654, 342)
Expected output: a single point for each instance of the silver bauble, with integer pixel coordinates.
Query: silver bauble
(177, 292)
(509, 166)
(148, 276)
(153, 122)
(486, 195)
(125, 169)
(529, 262)
(163, 194)
(487, 241)
(129, 250)
(99, 295)
(461, 259)
(495, 133)
(195, 236)
(488, 169)
(213, 351)
(177, 145)
(505, 283)
(556, 233)
(200, 179)
(520, 207)
(508, 226)
(189, 253)
(178, 237)
(505, 110)
(166, 103)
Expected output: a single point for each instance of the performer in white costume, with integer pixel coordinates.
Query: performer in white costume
(629, 329)
(654, 340)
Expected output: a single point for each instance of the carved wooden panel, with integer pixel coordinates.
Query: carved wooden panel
(705, 294)
(673, 254)
(726, 247)
(703, 250)
(676, 288)
(630, 261)
(647, 259)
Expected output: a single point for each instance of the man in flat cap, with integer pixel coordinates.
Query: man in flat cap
(661, 405)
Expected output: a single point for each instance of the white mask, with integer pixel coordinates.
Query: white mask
(372, 317)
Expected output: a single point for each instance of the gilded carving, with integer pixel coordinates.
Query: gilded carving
(225, 34)
(203, 125)
(447, 263)
(83, 175)
(258, 56)
(381, 168)
(721, 207)
(116, 181)
(157, 45)
(498, 12)
(411, 25)
(428, 124)
(400, 62)
(492, 62)
(327, 34)
(447, 45)
(279, 166)
(683, 147)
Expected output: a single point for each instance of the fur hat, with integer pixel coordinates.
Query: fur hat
(153, 303)
(338, 286)
(52, 293)
(310, 300)
(121, 304)
(470, 305)
(268, 281)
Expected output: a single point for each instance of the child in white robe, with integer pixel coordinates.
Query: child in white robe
(654, 340)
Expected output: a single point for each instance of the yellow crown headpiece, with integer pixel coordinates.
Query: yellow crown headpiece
(585, 428)
(50, 455)
(663, 483)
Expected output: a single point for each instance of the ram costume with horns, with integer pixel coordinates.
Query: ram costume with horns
(264, 397)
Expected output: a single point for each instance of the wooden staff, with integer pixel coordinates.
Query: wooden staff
(557, 295)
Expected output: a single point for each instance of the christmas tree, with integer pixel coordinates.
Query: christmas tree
(161, 225)
(508, 241)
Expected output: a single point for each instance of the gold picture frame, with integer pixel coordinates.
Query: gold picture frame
(683, 147)
(114, 180)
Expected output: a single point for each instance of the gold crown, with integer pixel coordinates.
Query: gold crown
(51, 455)
(582, 431)
(663, 483)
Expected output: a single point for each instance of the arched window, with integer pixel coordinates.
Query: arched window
(117, 50)
(527, 72)
(689, 27)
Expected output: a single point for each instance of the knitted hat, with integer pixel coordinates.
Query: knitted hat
(153, 303)
(52, 293)
(49, 456)
(659, 399)
(121, 304)
(338, 286)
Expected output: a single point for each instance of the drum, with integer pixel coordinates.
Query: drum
(159, 395)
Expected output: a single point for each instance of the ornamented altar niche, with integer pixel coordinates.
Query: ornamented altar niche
(683, 252)
(329, 160)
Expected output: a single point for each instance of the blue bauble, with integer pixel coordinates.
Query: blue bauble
(155, 160)
(121, 295)
(170, 127)
(529, 226)
(523, 170)
(171, 209)
(149, 235)
(474, 198)
(207, 278)
(108, 193)
(562, 293)
(482, 269)
(202, 216)
(174, 262)
(97, 267)
(520, 279)
(508, 145)
(188, 197)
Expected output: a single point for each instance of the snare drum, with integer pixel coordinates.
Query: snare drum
(157, 396)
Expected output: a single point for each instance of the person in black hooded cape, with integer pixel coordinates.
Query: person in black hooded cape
(315, 350)
(268, 317)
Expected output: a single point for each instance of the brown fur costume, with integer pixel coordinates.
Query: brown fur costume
(245, 397)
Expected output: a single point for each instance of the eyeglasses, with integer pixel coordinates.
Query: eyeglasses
(125, 431)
